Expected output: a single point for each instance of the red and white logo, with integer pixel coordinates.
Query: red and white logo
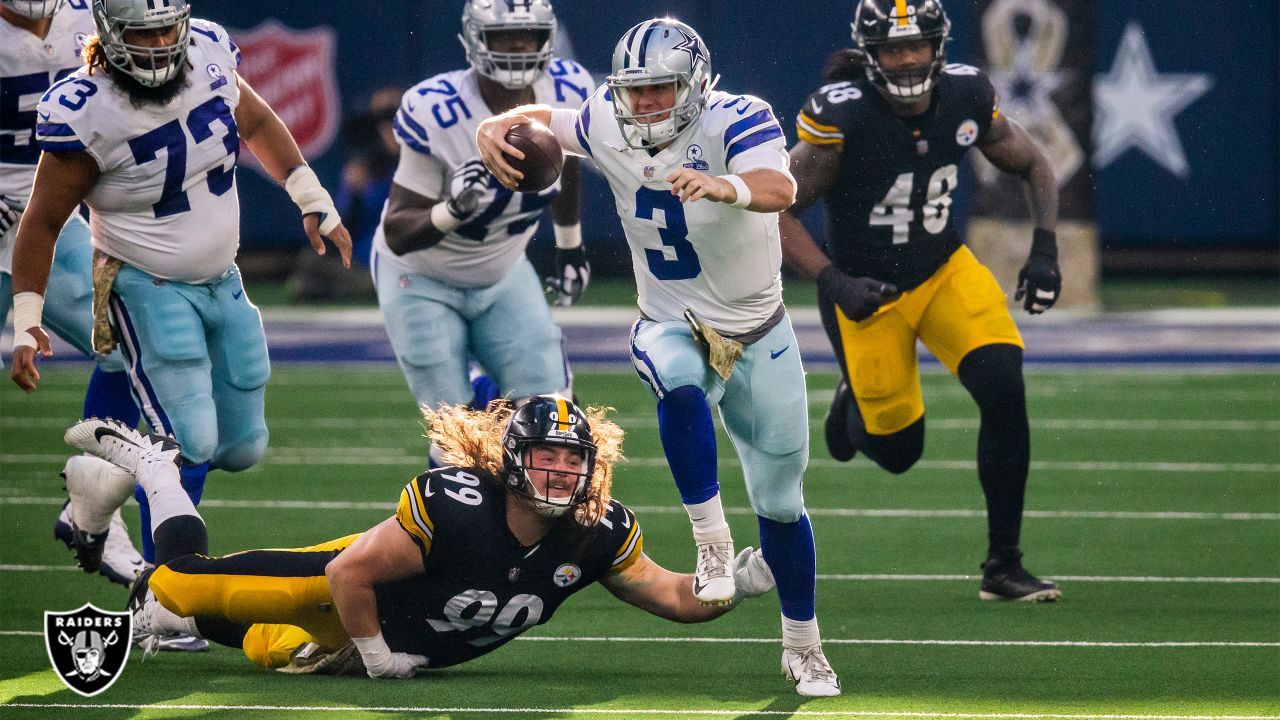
(294, 71)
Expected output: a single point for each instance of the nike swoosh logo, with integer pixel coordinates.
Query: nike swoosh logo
(108, 432)
(237, 294)
(869, 22)
(44, 116)
(697, 586)
(816, 107)
(774, 355)
(743, 110)
(426, 489)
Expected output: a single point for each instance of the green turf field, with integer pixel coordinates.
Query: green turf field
(1154, 500)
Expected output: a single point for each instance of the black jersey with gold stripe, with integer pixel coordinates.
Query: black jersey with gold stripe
(889, 212)
(482, 587)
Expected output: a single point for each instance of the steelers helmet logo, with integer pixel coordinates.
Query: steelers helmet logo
(566, 575)
(967, 133)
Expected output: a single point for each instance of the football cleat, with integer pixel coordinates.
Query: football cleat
(1004, 579)
(120, 559)
(155, 627)
(836, 428)
(120, 444)
(713, 577)
(96, 490)
(809, 670)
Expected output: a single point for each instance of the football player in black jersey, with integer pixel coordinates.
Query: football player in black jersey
(475, 554)
(882, 143)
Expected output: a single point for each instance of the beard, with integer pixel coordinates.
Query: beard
(140, 95)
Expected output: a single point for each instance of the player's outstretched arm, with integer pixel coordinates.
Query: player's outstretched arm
(1012, 149)
(669, 595)
(761, 190)
(815, 168)
(63, 179)
(383, 554)
(491, 139)
(269, 140)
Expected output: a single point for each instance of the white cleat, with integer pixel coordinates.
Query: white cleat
(121, 561)
(120, 444)
(809, 670)
(156, 628)
(713, 577)
(96, 490)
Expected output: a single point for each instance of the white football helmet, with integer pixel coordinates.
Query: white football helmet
(655, 52)
(512, 70)
(151, 66)
(33, 9)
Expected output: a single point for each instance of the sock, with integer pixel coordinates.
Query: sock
(708, 521)
(176, 527)
(193, 477)
(689, 442)
(788, 548)
(799, 634)
(109, 396)
(483, 390)
(144, 520)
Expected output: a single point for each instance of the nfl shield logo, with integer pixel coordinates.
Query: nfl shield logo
(293, 70)
(88, 647)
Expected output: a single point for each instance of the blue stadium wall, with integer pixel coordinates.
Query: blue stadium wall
(1191, 161)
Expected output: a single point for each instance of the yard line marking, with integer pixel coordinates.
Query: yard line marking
(875, 641)
(873, 577)
(297, 455)
(676, 510)
(635, 711)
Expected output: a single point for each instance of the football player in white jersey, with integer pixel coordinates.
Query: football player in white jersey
(449, 259)
(40, 43)
(699, 177)
(147, 134)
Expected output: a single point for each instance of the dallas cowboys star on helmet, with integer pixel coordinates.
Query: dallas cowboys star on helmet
(33, 9)
(512, 70)
(655, 52)
(877, 23)
(547, 420)
(151, 66)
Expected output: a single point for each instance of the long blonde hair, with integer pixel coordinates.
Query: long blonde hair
(473, 438)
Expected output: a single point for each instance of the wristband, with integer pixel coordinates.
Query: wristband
(28, 307)
(310, 196)
(744, 192)
(568, 237)
(442, 219)
(1044, 242)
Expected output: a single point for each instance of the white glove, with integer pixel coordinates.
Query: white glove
(380, 662)
(751, 574)
(10, 213)
(467, 186)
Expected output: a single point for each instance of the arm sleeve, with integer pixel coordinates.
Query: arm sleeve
(411, 513)
(424, 174)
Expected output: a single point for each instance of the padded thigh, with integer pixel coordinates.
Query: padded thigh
(666, 357)
(514, 336)
(967, 311)
(765, 400)
(164, 319)
(239, 342)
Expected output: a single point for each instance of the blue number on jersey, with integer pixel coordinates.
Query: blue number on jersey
(84, 91)
(558, 70)
(14, 123)
(170, 138)
(675, 235)
(452, 103)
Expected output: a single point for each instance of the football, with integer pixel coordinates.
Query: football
(543, 159)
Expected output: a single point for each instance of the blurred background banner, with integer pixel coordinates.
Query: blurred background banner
(1184, 113)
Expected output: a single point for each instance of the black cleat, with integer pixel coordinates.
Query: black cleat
(1004, 579)
(836, 426)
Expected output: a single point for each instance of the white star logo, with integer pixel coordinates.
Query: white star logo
(1136, 106)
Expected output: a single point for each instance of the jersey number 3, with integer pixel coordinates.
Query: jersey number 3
(685, 265)
(895, 209)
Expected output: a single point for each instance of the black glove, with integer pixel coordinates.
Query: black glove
(1040, 282)
(467, 187)
(857, 297)
(573, 272)
(9, 213)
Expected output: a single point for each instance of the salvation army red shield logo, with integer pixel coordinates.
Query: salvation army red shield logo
(294, 71)
(88, 647)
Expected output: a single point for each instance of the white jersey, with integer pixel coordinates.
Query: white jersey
(28, 66)
(722, 262)
(438, 119)
(166, 200)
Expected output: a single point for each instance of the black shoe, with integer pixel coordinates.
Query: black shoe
(836, 426)
(1005, 579)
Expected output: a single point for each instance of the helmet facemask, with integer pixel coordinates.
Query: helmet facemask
(644, 130)
(878, 24)
(532, 482)
(908, 84)
(33, 9)
(150, 66)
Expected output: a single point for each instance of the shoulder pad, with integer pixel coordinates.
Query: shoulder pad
(216, 34)
(63, 104)
(747, 121)
(621, 537)
(823, 115)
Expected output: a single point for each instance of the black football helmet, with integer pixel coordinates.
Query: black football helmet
(547, 420)
(877, 23)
